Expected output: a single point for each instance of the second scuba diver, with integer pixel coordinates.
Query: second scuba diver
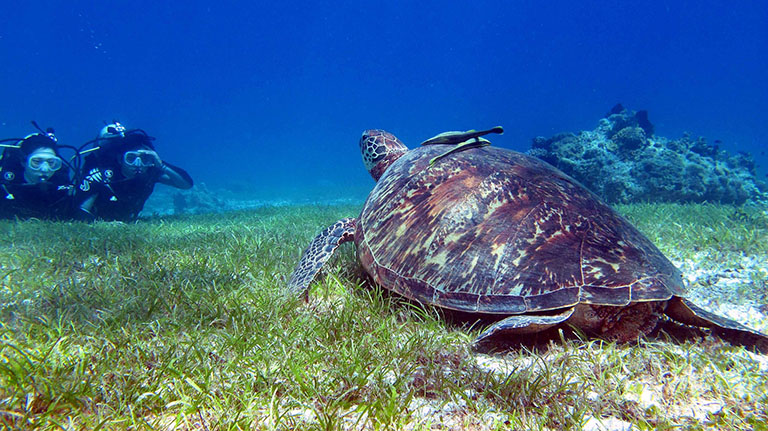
(120, 174)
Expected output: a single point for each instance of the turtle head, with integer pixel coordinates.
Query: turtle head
(380, 149)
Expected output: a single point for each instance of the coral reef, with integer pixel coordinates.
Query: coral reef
(623, 161)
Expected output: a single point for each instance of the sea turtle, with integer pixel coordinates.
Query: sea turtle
(499, 234)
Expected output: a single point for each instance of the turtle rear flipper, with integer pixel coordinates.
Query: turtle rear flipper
(319, 251)
(686, 312)
(522, 324)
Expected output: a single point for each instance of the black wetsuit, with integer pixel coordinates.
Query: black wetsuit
(51, 200)
(118, 197)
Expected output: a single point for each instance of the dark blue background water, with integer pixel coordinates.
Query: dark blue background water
(273, 96)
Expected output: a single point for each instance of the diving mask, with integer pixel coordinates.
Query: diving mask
(41, 163)
(140, 158)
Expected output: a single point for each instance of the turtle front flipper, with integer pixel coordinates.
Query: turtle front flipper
(686, 312)
(522, 324)
(319, 251)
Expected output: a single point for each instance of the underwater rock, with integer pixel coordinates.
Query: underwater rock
(629, 139)
(623, 161)
(197, 200)
(617, 109)
(642, 121)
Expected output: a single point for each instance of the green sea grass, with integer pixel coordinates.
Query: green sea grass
(182, 323)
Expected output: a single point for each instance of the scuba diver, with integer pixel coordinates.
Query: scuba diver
(35, 178)
(120, 174)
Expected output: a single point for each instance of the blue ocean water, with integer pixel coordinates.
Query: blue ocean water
(272, 96)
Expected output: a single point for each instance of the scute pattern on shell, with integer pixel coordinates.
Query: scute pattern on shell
(494, 231)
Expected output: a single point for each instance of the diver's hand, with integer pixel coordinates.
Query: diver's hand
(157, 160)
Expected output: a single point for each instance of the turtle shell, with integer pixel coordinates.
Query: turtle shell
(493, 231)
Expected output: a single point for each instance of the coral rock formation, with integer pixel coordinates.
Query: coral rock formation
(623, 161)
